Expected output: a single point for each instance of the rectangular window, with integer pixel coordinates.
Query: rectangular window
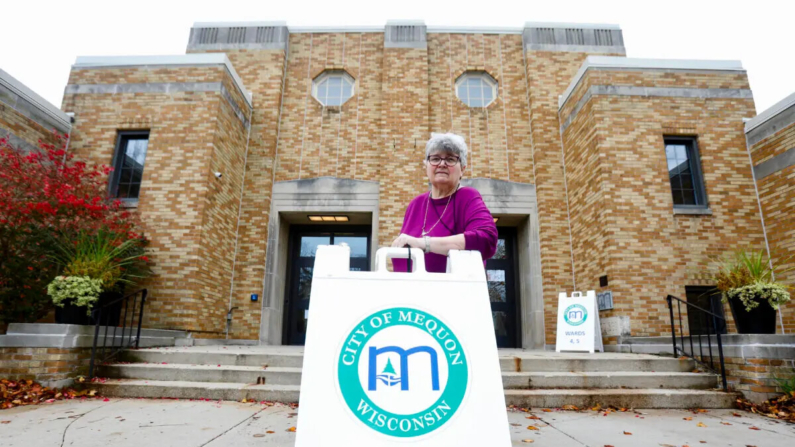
(684, 171)
(128, 164)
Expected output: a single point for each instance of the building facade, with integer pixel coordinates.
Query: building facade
(605, 173)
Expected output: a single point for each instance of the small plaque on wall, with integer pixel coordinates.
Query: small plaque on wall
(605, 300)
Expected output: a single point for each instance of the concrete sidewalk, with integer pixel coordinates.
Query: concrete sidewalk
(143, 422)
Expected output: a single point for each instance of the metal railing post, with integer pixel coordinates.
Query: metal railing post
(673, 330)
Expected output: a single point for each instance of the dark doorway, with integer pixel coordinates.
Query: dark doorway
(304, 241)
(501, 277)
(709, 299)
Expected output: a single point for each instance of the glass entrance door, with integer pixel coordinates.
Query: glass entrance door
(304, 241)
(501, 277)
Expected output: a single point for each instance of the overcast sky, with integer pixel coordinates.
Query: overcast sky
(39, 40)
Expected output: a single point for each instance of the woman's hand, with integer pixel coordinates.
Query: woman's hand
(411, 241)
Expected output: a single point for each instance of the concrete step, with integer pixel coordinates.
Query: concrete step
(620, 398)
(608, 380)
(636, 398)
(196, 390)
(189, 357)
(272, 375)
(511, 380)
(595, 363)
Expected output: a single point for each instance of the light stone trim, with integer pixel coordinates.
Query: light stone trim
(775, 164)
(317, 195)
(25, 101)
(693, 211)
(625, 63)
(84, 62)
(474, 30)
(66, 336)
(770, 112)
(671, 92)
(564, 25)
(577, 48)
(159, 88)
(16, 141)
(519, 199)
(771, 121)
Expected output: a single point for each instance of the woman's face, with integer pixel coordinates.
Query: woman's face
(442, 175)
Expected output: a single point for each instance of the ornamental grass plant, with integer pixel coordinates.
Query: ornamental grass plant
(103, 258)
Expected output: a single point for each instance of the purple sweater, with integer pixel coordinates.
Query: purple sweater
(466, 214)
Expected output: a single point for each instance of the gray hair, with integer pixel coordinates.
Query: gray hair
(447, 142)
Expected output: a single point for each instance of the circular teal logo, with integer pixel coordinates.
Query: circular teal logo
(575, 315)
(402, 372)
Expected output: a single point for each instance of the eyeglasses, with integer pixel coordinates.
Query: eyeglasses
(448, 161)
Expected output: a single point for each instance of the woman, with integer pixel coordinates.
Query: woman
(449, 216)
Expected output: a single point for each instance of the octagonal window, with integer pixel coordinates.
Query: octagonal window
(476, 88)
(333, 88)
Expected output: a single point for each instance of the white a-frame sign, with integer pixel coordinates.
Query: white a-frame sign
(578, 323)
(396, 359)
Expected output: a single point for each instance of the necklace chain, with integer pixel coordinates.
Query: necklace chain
(427, 202)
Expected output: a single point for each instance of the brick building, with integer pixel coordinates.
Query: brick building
(604, 172)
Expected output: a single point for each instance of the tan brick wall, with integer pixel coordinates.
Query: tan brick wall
(23, 127)
(622, 218)
(777, 196)
(189, 215)
(43, 364)
(401, 96)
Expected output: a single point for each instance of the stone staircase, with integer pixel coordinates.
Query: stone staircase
(530, 378)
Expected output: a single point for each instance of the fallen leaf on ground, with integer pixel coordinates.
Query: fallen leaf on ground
(5, 422)
(528, 441)
(532, 417)
(726, 423)
(270, 431)
(570, 408)
(754, 428)
(259, 435)
(737, 415)
(688, 419)
(703, 442)
(546, 410)
(627, 433)
(532, 427)
(701, 424)
(516, 425)
(291, 429)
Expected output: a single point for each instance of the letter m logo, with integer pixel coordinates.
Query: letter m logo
(373, 376)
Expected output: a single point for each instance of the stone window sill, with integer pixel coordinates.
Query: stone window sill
(693, 211)
(129, 203)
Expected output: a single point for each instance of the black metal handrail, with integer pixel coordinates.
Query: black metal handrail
(115, 314)
(713, 323)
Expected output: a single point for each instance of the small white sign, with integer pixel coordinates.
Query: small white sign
(578, 323)
(400, 358)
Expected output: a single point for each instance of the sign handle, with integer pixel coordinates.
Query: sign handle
(386, 253)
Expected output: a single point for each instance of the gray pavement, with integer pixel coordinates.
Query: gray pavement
(144, 422)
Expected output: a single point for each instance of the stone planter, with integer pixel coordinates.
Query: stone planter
(760, 320)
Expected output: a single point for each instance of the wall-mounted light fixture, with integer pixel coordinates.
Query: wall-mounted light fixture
(328, 218)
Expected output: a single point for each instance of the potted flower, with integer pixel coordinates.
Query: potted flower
(95, 269)
(746, 281)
